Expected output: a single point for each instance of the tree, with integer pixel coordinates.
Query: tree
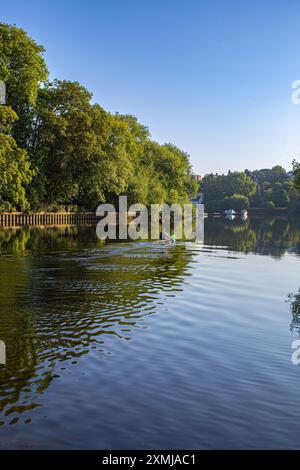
(79, 153)
(220, 188)
(237, 202)
(271, 175)
(119, 159)
(273, 185)
(296, 177)
(83, 155)
(15, 172)
(280, 196)
(238, 183)
(67, 145)
(22, 68)
(170, 169)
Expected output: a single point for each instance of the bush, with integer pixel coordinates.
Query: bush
(238, 202)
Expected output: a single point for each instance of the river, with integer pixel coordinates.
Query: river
(137, 345)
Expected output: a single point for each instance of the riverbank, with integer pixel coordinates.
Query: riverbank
(19, 219)
(266, 210)
(260, 210)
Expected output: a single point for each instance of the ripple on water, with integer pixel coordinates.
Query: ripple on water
(141, 345)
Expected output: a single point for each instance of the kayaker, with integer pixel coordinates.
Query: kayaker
(164, 236)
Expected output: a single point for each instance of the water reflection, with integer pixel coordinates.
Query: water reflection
(62, 292)
(295, 311)
(266, 236)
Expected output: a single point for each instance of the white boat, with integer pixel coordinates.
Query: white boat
(229, 212)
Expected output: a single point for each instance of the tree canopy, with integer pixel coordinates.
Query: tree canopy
(221, 190)
(23, 69)
(296, 179)
(59, 149)
(15, 169)
(265, 188)
(68, 150)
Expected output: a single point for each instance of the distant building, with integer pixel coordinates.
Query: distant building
(198, 199)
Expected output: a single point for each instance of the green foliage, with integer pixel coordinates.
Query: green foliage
(221, 190)
(271, 175)
(15, 172)
(237, 202)
(84, 155)
(272, 185)
(66, 146)
(296, 177)
(7, 118)
(23, 68)
(169, 174)
(59, 149)
(80, 154)
(262, 188)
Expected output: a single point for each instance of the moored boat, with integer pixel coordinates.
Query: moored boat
(229, 212)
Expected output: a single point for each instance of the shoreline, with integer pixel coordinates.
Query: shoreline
(19, 219)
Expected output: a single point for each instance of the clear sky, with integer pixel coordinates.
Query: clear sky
(213, 77)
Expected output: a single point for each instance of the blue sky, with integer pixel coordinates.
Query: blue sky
(213, 77)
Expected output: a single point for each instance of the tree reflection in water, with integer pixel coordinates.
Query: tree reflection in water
(272, 236)
(62, 292)
(295, 311)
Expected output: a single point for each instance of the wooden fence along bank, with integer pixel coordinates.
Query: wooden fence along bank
(17, 219)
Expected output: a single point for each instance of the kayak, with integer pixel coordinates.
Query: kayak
(165, 242)
(169, 241)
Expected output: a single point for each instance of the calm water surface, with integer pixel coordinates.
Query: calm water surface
(137, 345)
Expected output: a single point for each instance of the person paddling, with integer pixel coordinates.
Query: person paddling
(165, 236)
